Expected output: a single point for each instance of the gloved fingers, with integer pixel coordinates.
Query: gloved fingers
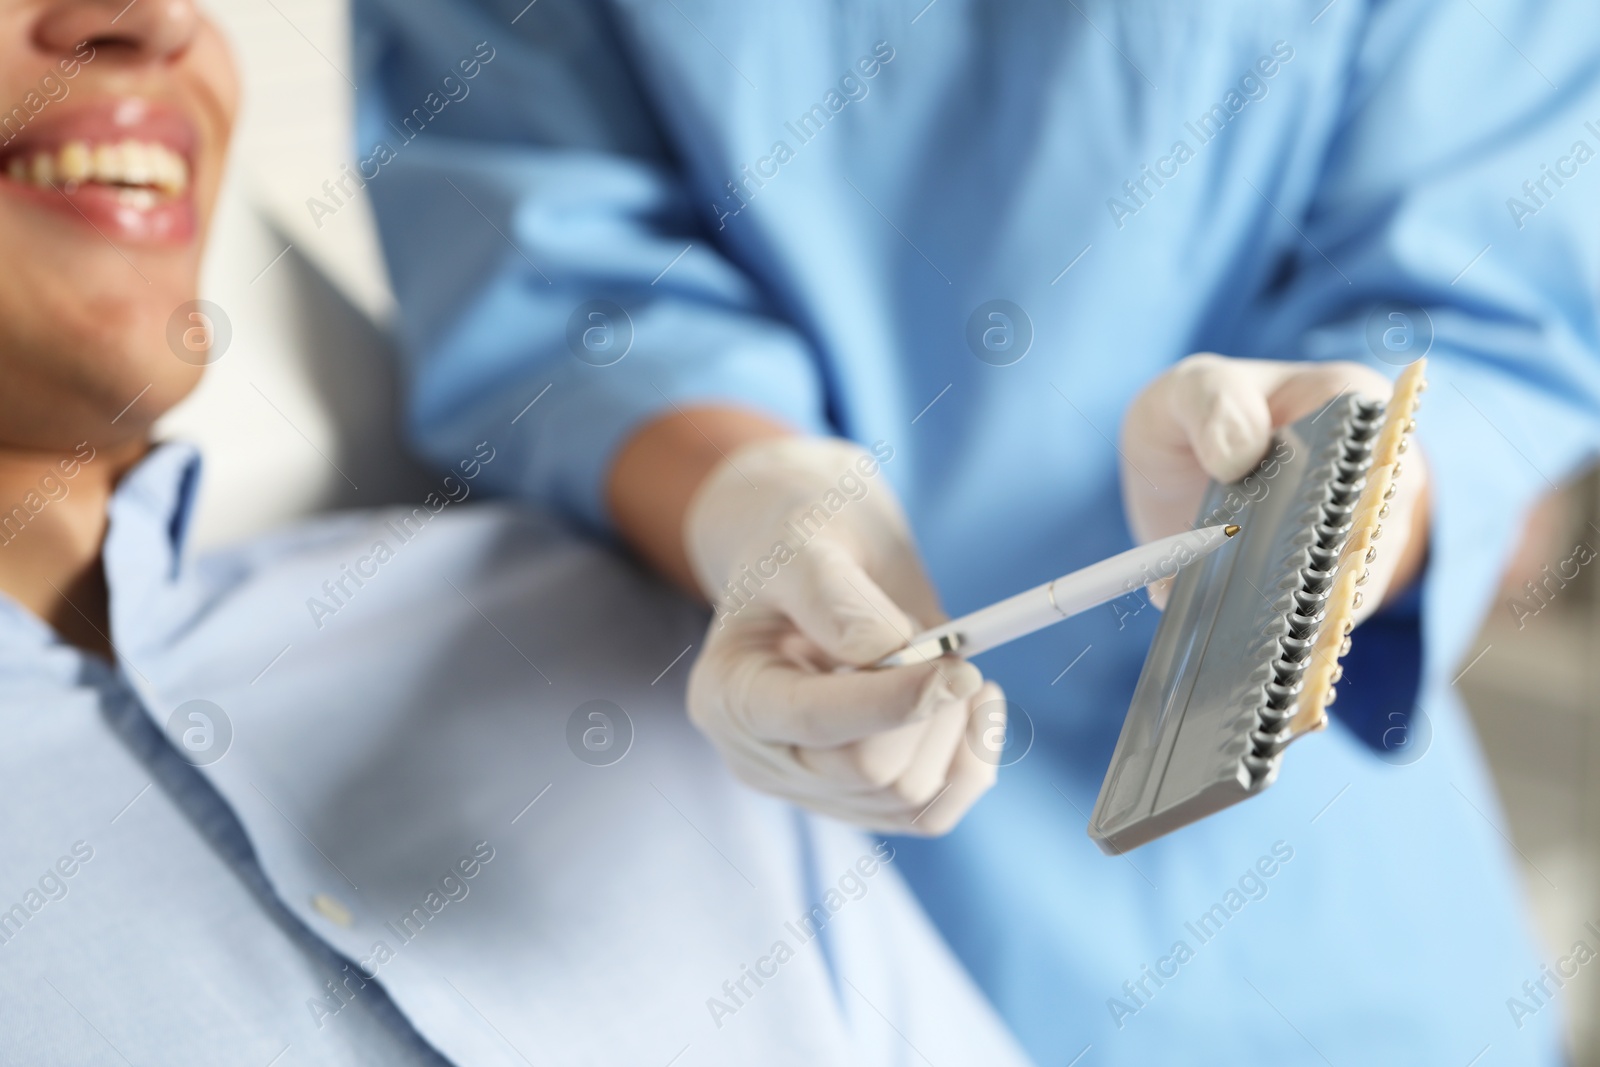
(1226, 409)
(781, 700)
(786, 772)
(1202, 411)
(759, 677)
(969, 775)
(904, 767)
(928, 771)
(897, 569)
(1220, 409)
(889, 820)
(831, 599)
(1306, 388)
(947, 775)
(870, 764)
(1211, 417)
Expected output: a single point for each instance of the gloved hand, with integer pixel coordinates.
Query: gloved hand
(1212, 417)
(804, 551)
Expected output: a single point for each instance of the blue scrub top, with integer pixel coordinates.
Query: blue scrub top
(974, 231)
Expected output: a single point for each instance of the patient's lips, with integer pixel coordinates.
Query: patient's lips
(122, 165)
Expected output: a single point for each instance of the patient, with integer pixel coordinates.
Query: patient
(389, 787)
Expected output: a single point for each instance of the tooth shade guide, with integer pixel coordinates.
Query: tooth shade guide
(1345, 598)
(1399, 416)
(1365, 530)
(1323, 668)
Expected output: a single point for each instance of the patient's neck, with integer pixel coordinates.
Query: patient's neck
(52, 523)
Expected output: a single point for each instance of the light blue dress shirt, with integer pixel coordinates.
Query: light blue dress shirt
(974, 230)
(385, 783)
(138, 925)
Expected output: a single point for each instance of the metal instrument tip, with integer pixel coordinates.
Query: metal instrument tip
(1230, 530)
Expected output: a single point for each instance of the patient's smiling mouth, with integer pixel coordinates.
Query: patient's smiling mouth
(123, 165)
(132, 166)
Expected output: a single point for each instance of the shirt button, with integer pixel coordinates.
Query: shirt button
(332, 908)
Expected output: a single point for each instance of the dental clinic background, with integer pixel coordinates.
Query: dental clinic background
(314, 330)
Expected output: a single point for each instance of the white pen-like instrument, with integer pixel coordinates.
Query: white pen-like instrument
(1071, 594)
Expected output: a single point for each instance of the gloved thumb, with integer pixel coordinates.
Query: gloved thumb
(1220, 406)
(832, 600)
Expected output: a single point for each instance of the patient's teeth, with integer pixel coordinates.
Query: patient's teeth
(106, 163)
(139, 166)
(44, 169)
(171, 172)
(141, 198)
(136, 166)
(73, 162)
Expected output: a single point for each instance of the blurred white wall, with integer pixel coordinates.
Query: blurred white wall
(298, 414)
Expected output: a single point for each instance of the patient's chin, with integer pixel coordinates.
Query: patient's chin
(138, 390)
(90, 362)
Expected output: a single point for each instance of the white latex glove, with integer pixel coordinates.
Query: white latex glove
(824, 573)
(1212, 417)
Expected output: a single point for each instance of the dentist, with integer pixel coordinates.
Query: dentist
(701, 261)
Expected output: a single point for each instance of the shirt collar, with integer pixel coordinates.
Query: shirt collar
(150, 514)
(144, 551)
